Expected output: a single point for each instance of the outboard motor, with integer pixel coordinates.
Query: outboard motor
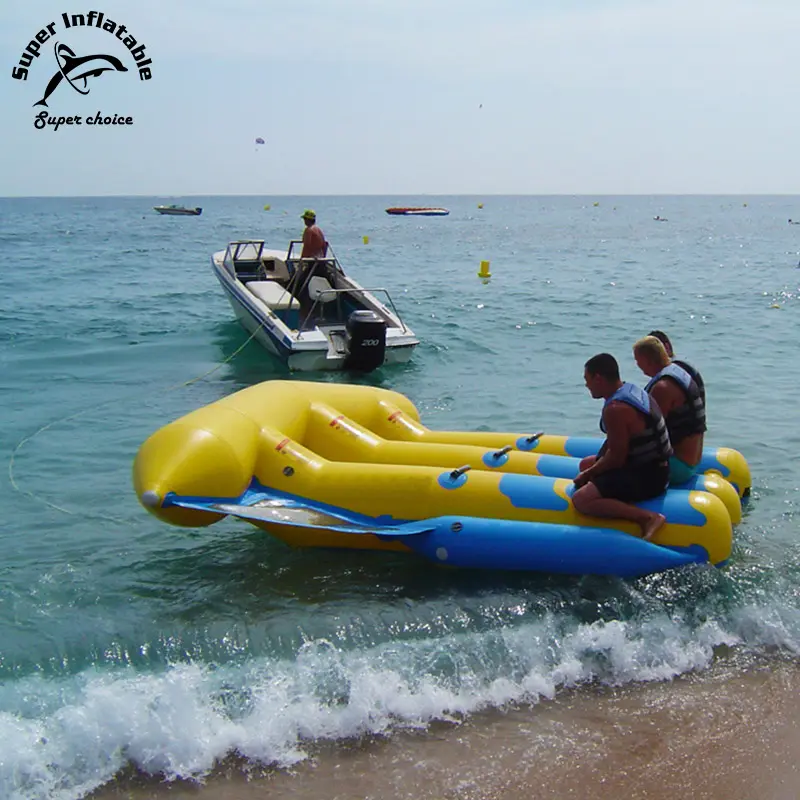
(366, 341)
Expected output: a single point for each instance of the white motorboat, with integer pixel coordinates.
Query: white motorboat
(308, 312)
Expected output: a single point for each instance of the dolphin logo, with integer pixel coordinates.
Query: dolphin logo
(72, 68)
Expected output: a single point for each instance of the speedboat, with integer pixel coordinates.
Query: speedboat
(308, 312)
(178, 210)
(418, 211)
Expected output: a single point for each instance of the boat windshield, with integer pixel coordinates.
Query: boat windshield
(244, 256)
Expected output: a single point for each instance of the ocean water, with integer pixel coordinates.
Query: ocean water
(130, 647)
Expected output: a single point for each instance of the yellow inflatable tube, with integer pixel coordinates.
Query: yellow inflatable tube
(340, 438)
(326, 444)
(402, 425)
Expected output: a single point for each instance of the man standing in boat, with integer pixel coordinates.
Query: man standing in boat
(632, 464)
(314, 244)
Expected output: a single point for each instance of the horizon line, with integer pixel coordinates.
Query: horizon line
(402, 194)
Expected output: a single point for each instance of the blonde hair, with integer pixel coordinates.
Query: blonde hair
(652, 348)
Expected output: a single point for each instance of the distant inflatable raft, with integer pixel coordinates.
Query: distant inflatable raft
(332, 465)
(418, 211)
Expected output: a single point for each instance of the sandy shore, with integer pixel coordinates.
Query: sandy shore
(724, 734)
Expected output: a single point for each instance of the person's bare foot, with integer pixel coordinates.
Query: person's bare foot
(652, 526)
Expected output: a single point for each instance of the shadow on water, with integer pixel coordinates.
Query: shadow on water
(241, 595)
(251, 364)
(230, 592)
(254, 364)
(245, 571)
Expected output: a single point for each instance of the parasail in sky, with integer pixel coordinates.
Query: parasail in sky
(259, 140)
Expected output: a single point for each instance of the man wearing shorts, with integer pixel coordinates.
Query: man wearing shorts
(633, 462)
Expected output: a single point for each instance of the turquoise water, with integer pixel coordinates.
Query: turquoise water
(125, 642)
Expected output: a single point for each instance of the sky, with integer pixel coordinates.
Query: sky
(412, 97)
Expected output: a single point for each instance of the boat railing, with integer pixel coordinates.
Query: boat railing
(295, 262)
(243, 252)
(299, 242)
(336, 292)
(292, 243)
(248, 260)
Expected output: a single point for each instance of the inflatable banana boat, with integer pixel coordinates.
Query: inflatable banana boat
(334, 465)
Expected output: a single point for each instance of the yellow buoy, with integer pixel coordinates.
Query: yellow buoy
(480, 205)
(483, 272)
(775, 305)
(366, 239)
(267, 208)
(596, 204)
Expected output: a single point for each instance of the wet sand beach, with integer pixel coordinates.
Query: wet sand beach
(723, 734)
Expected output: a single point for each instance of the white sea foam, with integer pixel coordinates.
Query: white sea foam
(62, 738)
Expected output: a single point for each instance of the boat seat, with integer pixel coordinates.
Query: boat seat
(319, 288)
(273, 295)
(274, 268)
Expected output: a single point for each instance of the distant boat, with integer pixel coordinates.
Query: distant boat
(420, 211)
(179, 210)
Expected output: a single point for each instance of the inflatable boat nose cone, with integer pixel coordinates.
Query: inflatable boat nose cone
(196, 457)
(150, 499)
